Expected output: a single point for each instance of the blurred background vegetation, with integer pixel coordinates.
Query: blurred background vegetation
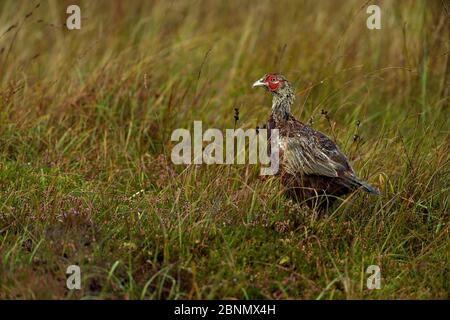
(85, 123)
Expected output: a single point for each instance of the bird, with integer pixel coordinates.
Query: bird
(313, 169)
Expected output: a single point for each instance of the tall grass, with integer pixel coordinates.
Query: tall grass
(85, 124)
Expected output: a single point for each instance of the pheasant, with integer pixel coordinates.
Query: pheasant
(311, 165)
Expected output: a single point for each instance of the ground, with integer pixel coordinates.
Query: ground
(85, 123)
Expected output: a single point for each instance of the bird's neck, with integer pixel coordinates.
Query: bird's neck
(281, 105)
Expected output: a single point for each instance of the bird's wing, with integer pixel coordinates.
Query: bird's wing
(310, 152)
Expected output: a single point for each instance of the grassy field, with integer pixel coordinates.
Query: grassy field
(85, 123)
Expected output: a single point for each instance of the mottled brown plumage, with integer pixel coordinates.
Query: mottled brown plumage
(311, 165)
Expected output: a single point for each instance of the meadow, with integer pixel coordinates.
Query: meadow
(86, 176)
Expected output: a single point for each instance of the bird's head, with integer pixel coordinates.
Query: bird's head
(282, 94)
(273, 82)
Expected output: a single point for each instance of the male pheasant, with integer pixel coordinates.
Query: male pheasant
(311, 165)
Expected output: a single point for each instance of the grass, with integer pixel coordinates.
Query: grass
(85, 124)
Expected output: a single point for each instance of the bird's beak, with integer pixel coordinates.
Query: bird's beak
(259, 83)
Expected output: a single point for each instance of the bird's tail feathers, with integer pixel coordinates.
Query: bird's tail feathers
(355, 182)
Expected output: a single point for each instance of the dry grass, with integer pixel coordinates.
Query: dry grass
(85, 123)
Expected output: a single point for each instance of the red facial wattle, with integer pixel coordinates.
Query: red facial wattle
(273, 86)
(272, 83)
